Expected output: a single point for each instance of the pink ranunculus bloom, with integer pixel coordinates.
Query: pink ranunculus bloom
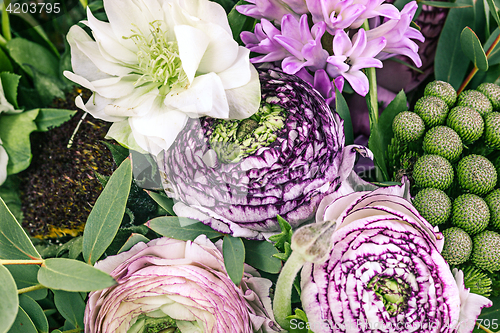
(384, 272)
(171, 283)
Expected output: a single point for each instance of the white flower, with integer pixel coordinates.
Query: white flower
(158, 62)
(4, 159)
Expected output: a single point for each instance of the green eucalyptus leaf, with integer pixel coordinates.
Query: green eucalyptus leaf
(71, 306)
(23, 323)
(11, 195)
(10, 82)
(76, 248)
(10, 302)
(50, 118)
(239, 22)
(35, 312)
(472, 48)
(442, 4)
(233, 250)
(72, 275)
(181, 228)
(164, 201)
(26, 276)
(22, 51)
(343, 111)
(450, 63)
(107, 214)
(14, 243)
(494, 11)
(15, 132)
(382, 134)
(494, 55)
(260, 255)
(133, 240)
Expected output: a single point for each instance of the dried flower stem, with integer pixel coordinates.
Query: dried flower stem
(70, 142)
(474, 71)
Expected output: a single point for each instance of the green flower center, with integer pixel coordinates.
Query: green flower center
(392, 291)
(233, 140)
(158, 59)
(145, 324)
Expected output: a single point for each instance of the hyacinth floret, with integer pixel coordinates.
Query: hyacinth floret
(300, 40)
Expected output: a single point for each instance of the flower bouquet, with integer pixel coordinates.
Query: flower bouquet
(254, 166)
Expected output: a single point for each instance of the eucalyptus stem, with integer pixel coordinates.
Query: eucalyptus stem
(474, 71)
(371, 97)
(282, 302)
(5, 21)
(31, 288)
(484, 328)
(22, 262)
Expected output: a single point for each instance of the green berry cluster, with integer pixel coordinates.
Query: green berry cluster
(455, 177)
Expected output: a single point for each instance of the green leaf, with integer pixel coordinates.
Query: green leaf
(343, 111)
(35, 312)
(22, 51)
(10, 302)
(381, 134)
(133, 240)
(489, 317)
(450, 63)
(118, 152)
(283, 239)
(164, 201)
(14, 243)
(23, 323)
(494, 56)
(71, 306)
(473, 49)
(26, 276)
(10, 82)
(5, 64)
(76, 248)
(441, 4)
(106, 216)
(299, 322)
(181, 228)
(239, 22)
(72, 275)
(11, 195)
(233, 250)
(260, 255)
(15, 132)
(494, 11)
(50, 118)
(47, 87)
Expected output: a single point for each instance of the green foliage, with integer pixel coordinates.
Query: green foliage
(233, 250)
(299, 322)
(106, 216)
(262, 255)
(181, 228)
(71, 306)
(10, 302)
(343, 110)
(283, 240)
(239, 22)
(472, 48)
(381, 132)
(34, 312)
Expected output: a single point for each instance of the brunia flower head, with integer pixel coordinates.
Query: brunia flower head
(309, 32)
(169, 285)
(384, 271)
(158, 63)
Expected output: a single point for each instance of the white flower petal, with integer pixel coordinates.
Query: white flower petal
(192, 45)
(4, 159)
(137, 103)
(205, 97)
(221, 51)
(91, 50)
(95, 106)
(122, 133)
(240, 71)
(125, 16)
(81, 63)
(244, 101)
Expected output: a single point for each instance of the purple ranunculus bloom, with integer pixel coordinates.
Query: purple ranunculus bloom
(303, 43)
(175, 284)
(350, 57)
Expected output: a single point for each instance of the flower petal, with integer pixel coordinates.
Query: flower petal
(192, 46)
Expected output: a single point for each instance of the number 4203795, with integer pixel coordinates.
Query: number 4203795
(32, 8)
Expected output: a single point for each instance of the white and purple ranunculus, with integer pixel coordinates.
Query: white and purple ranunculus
(169, 285)
(158, 63)
(301, 38)
(384, 272)
(237, 176)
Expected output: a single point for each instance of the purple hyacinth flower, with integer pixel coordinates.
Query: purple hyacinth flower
(337, 14)
(399, 35)
(302, 43)
(375, 8)
(272, 10)
(350, 57)
(262, 41)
